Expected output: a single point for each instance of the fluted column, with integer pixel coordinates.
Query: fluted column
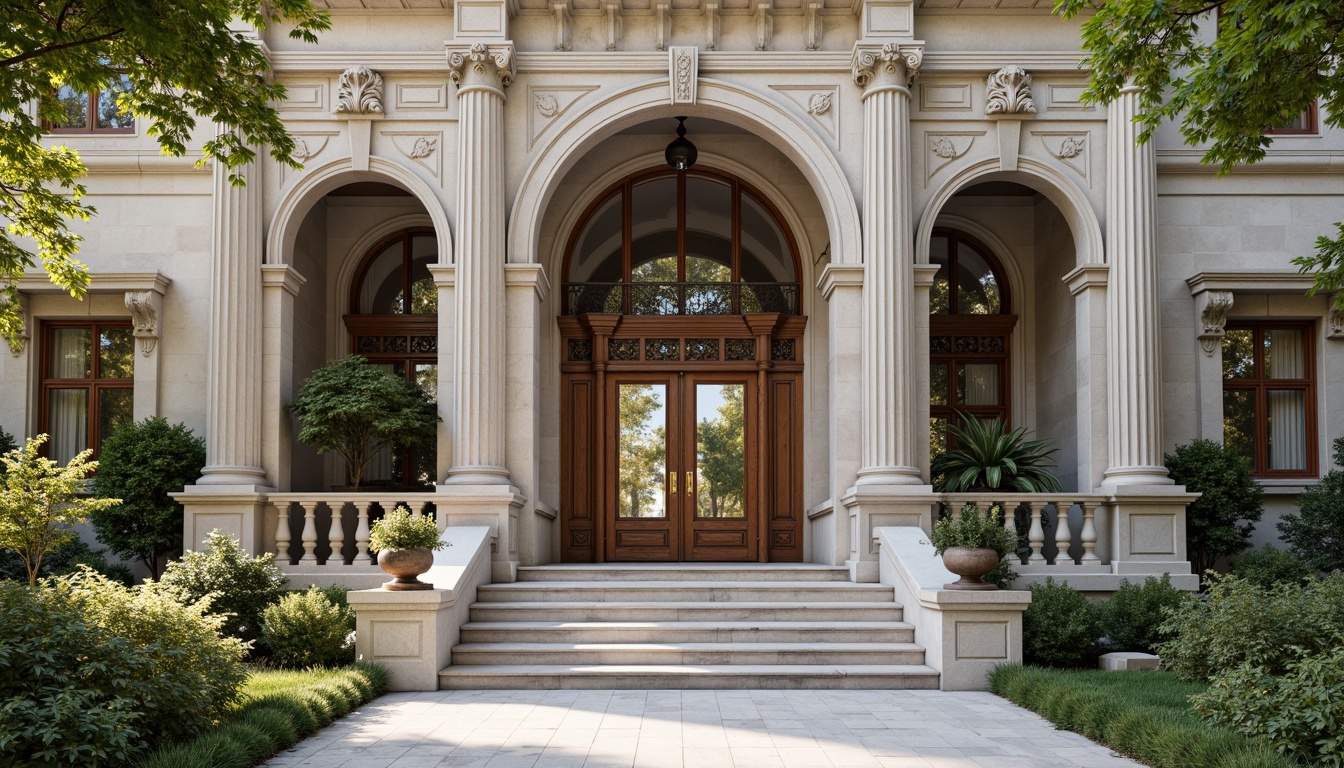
(1134, 363)
(888, 255)
(233, 370)
(481, 72)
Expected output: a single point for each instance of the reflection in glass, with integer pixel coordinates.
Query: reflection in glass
(74, 108)
(937, 437)
(110, 113)
(597, 252)
(115, 408)
(977, 384)
(720, 456)
(642, 452)
(424, 294)
(709, 231)
(71, 357)
(1239, 354)
(116, 358)
(381, 292)
(765, 250)
(1239, 422)
(937, 385)
(68, 420)
(1287, 428)
(940, 294)
(653, 231)
(977, 286)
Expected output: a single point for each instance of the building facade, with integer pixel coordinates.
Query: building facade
(897, 209)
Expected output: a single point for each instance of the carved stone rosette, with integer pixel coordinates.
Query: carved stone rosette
(1213, 319)
(144, 319)
(1010, 93)
(360, 92)
(892, 62)
(482, 65)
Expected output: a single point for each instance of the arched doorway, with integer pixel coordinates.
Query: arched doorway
(681, 374)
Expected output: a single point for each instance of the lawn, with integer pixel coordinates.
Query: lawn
(1145, 715)
(276, 709)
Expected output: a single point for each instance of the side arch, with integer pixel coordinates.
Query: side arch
(716, 99)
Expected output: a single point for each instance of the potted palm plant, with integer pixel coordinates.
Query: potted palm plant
(989, 457)
(972, 544)
(405, 544)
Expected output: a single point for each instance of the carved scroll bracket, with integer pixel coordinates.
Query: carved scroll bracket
(360, 92)
(1010, 93)
(1334, 328)
(1213, 319)
(144, 307)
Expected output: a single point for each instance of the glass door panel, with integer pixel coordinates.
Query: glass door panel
(642, 451)
(720, 472)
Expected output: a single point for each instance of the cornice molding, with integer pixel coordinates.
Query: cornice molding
(1251, 282)
(99, 282)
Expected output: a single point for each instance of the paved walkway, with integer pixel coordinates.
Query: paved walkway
(695, 729)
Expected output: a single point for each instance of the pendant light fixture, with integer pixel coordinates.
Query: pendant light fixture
(681, 152)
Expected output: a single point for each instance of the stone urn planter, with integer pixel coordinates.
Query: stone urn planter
(406, 565)
(970, 564)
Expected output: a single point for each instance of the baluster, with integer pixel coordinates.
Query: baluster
(362, 533)
(1035, 536)
(1089, 534)
(282, 533)
(309, 532)
(417, 509)
(336, 534)
(1063, 535)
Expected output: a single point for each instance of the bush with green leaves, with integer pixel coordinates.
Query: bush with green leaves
(989, 457)
(357, 409)
(1240, 623)
(66, 559)
(969, 528)
(1316, 533)
(1132, 619)
(1301, 712)
(1268, 566)
(93, 673)
(141, 463)
(1060, 627)
(7, 444)
(243, 586)
(308, 629)
(1219, 523)
(399, 529)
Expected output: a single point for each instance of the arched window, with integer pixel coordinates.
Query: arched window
(691, 243)
(969, 331)
(393, 321)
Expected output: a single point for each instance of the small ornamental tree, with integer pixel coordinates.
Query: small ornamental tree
(1220, 521)
(240, 587)
(1316, 534)
(141, 464)
(357, 409)
(40, 500)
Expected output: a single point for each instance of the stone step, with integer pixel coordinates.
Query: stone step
(680, 591)
(685, 611)
(663, 677)
(683, 572)
(736, 654)
(688, 631)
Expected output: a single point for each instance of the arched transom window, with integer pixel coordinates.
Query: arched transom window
(691, 243)
(969, 330)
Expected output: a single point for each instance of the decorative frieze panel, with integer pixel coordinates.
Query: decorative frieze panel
(305, 96)
(683, 73)
(359, 92)
(1010, 93)
(412, 96)
(945, 97)
(740, 349)
(580, 350)
(399, 344)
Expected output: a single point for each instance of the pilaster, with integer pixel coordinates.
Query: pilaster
(1134, 371)
(1088, 286)
(280, 285)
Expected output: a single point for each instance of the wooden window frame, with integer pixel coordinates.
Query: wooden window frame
(1311, 124)
(1259, 384)
(90, 120)
(94, 384)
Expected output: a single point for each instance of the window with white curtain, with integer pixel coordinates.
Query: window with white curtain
(87, 385)
(1269, 413)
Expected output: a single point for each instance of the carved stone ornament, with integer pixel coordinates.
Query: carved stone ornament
(144, 319)
(819, 104)
(943, 147)
(1071, 147)
(360, 92)
(683, 72)
(901, 62)
(1335, 322)
(424, 147)
(1010, 93)
(480, 62)
(301, 151)
(1213, 319)
(547, 105)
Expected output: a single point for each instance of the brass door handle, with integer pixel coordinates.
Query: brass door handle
(690, 478)
(672, 486)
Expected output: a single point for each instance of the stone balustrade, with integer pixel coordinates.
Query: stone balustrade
(1063, 531)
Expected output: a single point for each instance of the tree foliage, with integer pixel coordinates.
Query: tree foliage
(642, 459)
(184, 60)
(40, 500)
(240, 587)
(1221, 520)
(1316, 533)
(1225, 71)
(357, 409)
(721, 455)
(141, 464)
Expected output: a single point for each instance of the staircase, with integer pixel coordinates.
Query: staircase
(682, 625)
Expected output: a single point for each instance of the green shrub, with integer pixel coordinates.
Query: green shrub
(1269, 566)
(1239, 623)
(989, 456)
(1060, 627)
(94, 673)
(1132, 619)
(307, 629)
(141, 463)
(1301, 712)
(399, 529)
(7, 444)
(1220, 521)
(243, 587)
(64, 560)
(1316, 534)
(971, 529)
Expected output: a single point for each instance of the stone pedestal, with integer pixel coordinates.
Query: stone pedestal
(498, 507)
(1127, 661)
(870, 507)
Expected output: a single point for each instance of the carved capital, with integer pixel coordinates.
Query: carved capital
(360, 92)
(1335, 321)
(1010, 93)
(144, 319)
(12, 300)
(890, 64)
(1213, 319)
(479, 64)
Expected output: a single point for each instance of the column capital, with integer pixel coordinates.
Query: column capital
(889, 64)
(481, 65)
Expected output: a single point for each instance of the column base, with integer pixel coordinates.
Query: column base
(234, 477)
(491, 504)
(1128, 476)
(239, 511)
(1147, 527)
(477, 475)
(877, 506)
(895, 476)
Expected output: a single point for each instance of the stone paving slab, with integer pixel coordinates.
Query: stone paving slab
(695, 729)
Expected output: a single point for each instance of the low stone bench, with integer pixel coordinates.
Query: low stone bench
(1127, 660)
